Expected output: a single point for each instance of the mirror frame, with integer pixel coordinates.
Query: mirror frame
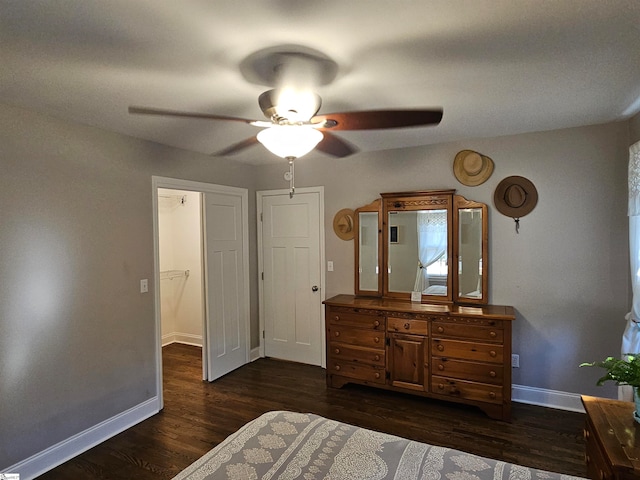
(411, 202)
(461, 203)
(424, 200)
(375, 207)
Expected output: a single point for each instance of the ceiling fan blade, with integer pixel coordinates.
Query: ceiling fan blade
(236, 147)
(176, 113)
(335, 146)
(377, 119)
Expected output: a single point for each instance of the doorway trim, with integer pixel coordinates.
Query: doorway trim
(259, 196)
(188, 185)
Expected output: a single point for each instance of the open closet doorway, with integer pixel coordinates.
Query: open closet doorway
(201, 286)
(181, 262)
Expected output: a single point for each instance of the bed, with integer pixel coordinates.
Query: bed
(288, 445)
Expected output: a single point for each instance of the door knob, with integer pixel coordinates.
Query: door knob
(314, 288)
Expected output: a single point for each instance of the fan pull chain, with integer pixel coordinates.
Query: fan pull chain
(517, 220)
(292, 187)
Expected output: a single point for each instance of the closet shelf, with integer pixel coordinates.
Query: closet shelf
(171, 274)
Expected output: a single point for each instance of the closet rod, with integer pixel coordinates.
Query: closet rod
(171, 274)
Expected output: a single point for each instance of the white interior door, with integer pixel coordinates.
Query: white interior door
(226, 317)
(292, 285)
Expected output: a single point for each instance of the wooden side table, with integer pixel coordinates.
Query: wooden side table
(612, 439)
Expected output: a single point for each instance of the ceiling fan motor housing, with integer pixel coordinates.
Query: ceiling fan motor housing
(270, 105)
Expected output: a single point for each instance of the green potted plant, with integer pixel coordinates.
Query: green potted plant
(622, 371)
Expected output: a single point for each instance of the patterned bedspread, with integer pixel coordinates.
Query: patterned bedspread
(287, 445)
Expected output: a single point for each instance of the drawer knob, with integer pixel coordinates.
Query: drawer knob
(336, 318)
(440, 330)
(493, 334)
(407, 326)
(492, 353)
(492, 395)
(440, 348)
(376, 323)
(377, 375)
(441, 386)
(440, 367)
(337, 334)
(337, 367)
(492, 374)
(377, 358)
(337, 351)
(376, 339)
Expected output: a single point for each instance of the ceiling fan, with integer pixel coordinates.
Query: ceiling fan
(293, 117)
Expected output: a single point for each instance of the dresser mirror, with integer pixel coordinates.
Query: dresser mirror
(368, 227)
(425, 246)
(472, 241)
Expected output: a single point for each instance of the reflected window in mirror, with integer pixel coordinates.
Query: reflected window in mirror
(418, 252)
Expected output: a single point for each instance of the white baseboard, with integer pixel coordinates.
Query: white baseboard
(67, 449)
(547, 398)
(255, 354)
(177, 337)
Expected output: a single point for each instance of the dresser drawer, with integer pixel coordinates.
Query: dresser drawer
(597, 466)
(357, 371)
(354, 319)
(352, 353)
(467, 390)
(476, 372)
(483, 352)
(355, 336)
(403, 325)
(470, 332)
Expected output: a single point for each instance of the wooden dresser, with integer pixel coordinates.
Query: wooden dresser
(451, 352)
(612, 438)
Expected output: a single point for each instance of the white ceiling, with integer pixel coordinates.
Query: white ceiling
(496, 67)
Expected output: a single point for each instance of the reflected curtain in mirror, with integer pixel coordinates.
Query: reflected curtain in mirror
(432, 245)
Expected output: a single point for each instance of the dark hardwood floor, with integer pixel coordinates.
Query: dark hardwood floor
(198, 415)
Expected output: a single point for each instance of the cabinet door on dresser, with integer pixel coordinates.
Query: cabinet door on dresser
(408, 352)
(408, 361)
(468, 359)
(356, 344)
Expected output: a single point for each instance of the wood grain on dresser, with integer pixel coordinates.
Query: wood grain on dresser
(612, 438)
(454, 353)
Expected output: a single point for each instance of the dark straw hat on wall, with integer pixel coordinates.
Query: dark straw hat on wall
(515, 197)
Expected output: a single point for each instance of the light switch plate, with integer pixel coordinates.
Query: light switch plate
(144, 285)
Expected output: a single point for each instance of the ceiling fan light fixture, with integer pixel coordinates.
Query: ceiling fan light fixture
(288, 141)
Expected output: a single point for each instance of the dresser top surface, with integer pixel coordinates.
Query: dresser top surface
(502, 312)
(616, 428)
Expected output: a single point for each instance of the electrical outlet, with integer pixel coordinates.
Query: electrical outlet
(515, 360)
(330, 266)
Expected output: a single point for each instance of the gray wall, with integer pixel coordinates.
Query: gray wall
(77, 343)
(78, 339)
(634, 129)
(566, 272)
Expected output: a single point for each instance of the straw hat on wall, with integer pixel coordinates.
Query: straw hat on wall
(343, 224)
(472, 168)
